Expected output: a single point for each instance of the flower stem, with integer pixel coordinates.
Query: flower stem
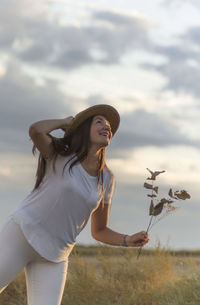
(148, 228)
(140, 249)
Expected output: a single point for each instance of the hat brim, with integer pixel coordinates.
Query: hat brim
(109, 112)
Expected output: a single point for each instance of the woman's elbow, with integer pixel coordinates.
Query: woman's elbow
(93, 234)
(33, 130)
(98, 234)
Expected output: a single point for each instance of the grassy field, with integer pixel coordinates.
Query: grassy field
(103, 275)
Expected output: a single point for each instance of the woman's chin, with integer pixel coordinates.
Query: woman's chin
(106, 144)
(102, 144)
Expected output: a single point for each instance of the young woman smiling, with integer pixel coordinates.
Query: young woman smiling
(73, 183)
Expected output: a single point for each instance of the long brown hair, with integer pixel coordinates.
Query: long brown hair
(77, 144)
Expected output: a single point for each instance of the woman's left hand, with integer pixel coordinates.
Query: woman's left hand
(137, 240)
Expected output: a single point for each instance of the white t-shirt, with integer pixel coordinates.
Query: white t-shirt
(54, 214)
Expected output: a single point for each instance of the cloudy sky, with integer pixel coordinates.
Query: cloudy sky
(142, 57)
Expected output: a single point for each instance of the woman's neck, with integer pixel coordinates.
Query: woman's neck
(92, 158)
(91, 163)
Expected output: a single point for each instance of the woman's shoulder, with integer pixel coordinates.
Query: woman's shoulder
(60, 161)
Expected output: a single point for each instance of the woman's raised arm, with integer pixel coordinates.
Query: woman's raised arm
(39, 133)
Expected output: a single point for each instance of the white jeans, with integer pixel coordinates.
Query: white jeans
(45, 280)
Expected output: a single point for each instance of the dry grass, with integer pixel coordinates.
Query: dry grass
(114, 276)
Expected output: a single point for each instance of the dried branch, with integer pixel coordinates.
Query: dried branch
(154, 174)
(164, 205)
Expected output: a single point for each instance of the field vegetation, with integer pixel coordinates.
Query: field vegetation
(102, 275)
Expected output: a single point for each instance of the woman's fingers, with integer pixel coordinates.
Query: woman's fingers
(143, 236)
(141, 239)
(67, 121)
(138, 240)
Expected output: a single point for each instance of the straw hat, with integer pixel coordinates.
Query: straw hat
(109, 112)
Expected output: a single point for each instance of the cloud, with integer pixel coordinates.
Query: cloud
(36, 39)
(14, 18)
(33, 37)
(23, 102)
(181, 68)
(181, 2)
(141, 128)
(107, 37)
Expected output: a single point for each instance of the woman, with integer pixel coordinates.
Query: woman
(73, 182)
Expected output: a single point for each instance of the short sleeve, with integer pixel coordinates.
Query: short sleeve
(109, 188)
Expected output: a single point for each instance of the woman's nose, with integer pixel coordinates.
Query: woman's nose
(107, 127)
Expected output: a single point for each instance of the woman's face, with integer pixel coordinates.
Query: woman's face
(100, 131)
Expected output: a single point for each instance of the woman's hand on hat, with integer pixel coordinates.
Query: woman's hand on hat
(66, 122)
(137, 240)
